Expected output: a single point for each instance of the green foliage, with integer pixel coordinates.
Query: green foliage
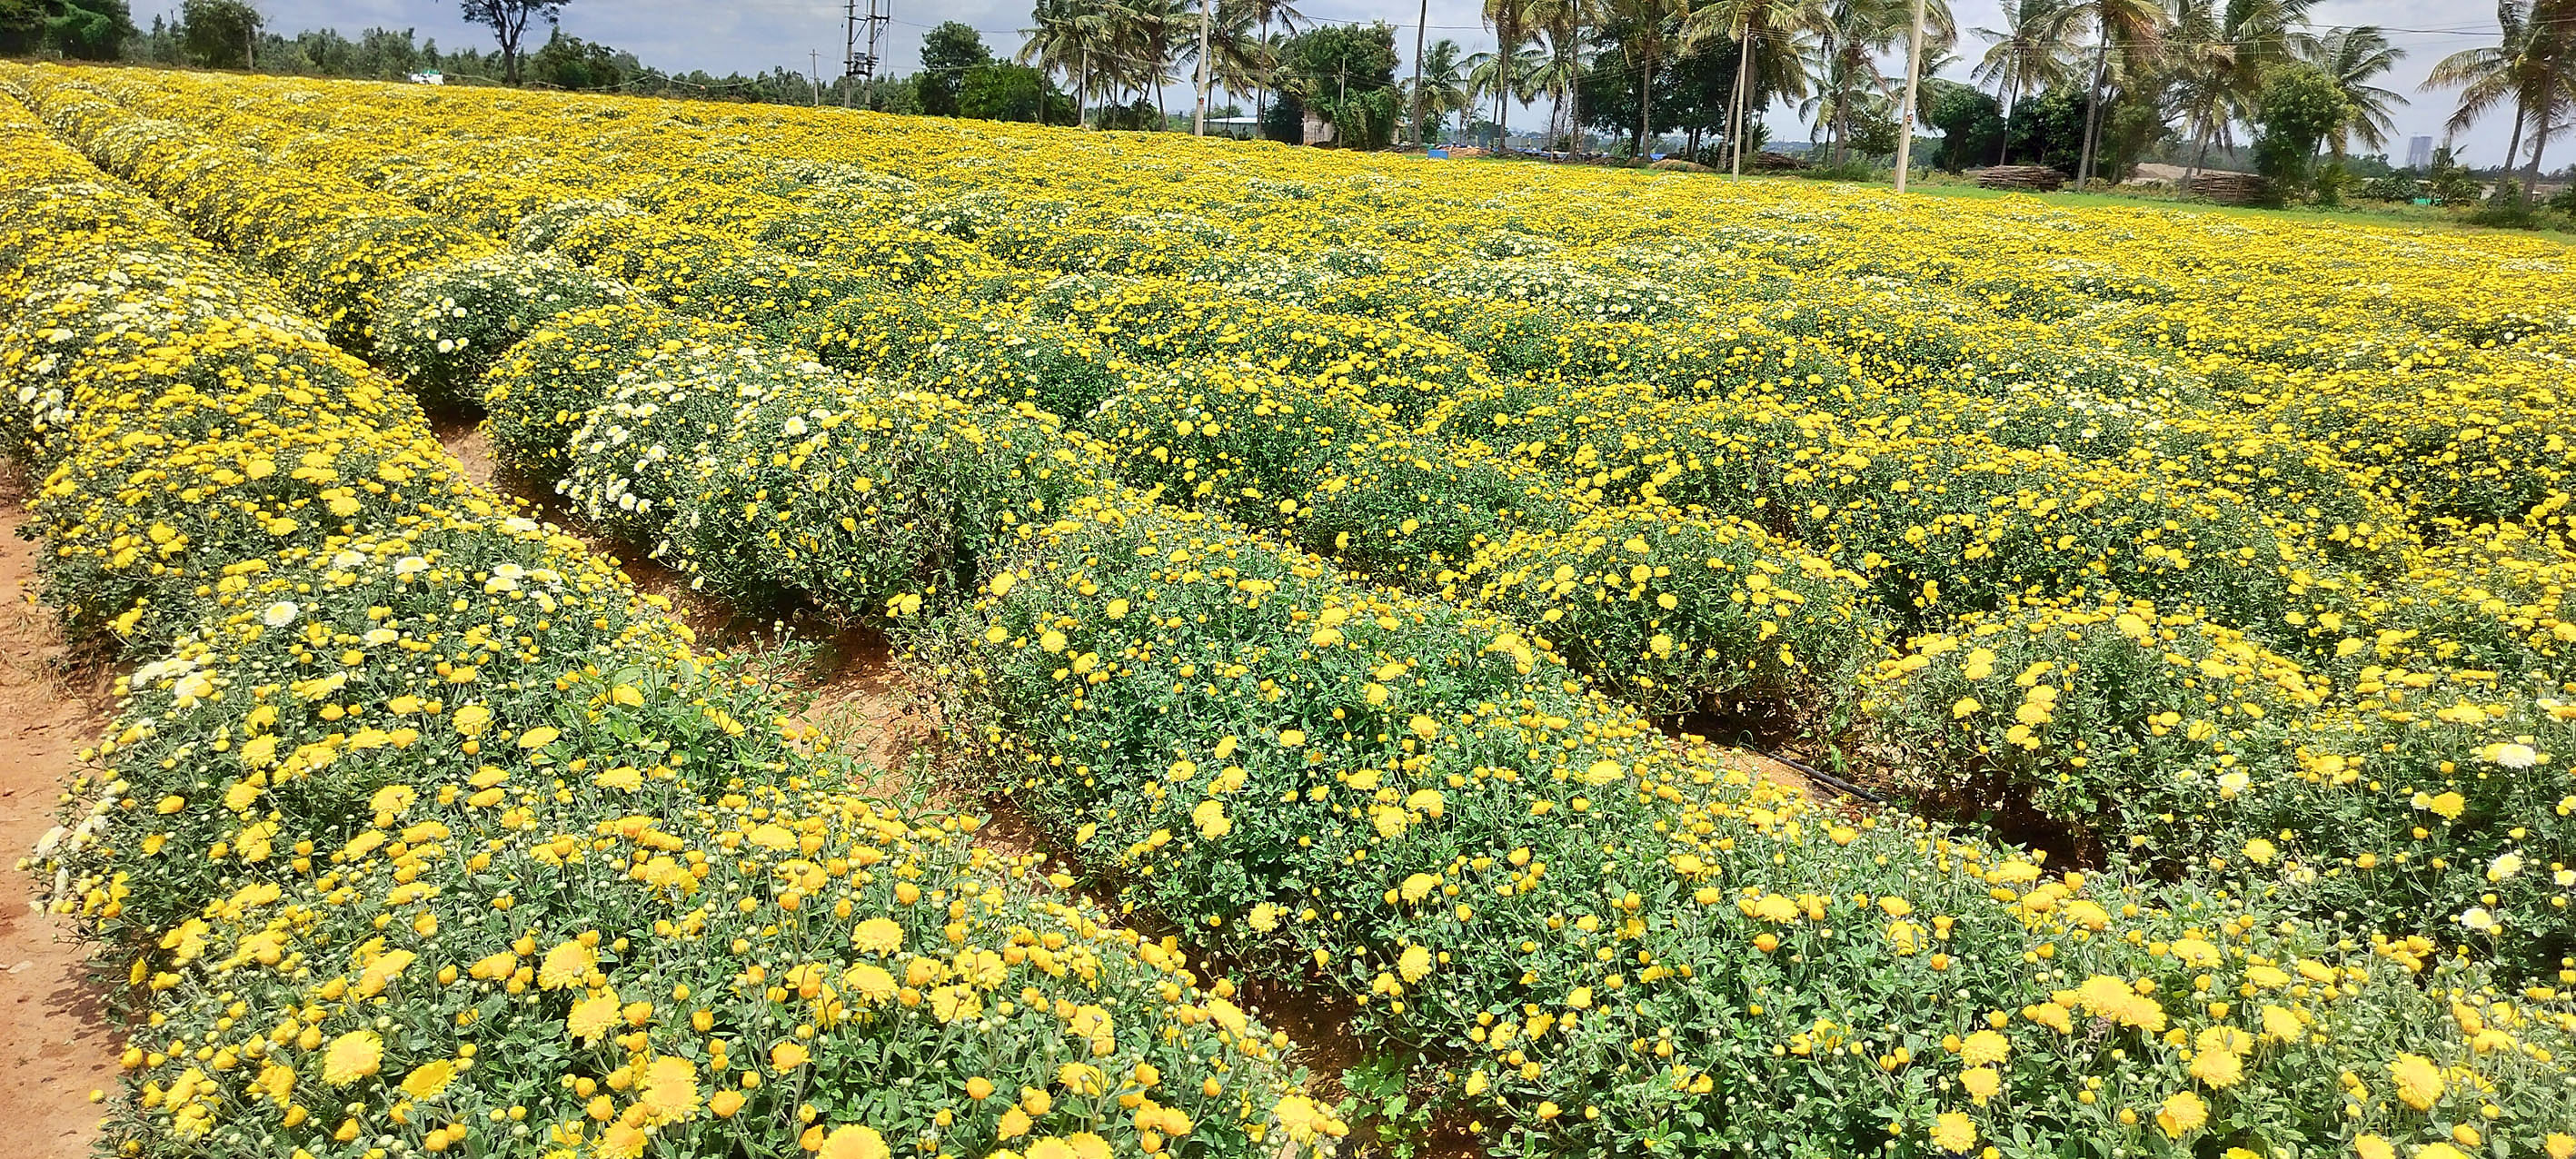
(79, 29)
(219, 33)
(1002, 91)
(948, 54)
(1971, 124)
(1345, 74)
(2300, 105)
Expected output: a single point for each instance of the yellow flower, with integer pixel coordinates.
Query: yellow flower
(1415, 964)
(2373, 1147)
(2218, 1068)
(669, 1092)
(1984, 1048)
(2419, 1082)
(592, 1017)
(1304, 1119)
(1981, 1082)
(2182, 1114)
(352, 1056)
(565, 965)
(1954, 1132)
(877, 936)
(787, 1056)
(425, 1082)
(854, 1142)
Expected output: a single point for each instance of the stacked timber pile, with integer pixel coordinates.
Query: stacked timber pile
(2232, 188)
(2028, 178)
(1767, 161)
(1676, 164)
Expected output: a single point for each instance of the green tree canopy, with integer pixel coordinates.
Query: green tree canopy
(948, 53)
(219, 33)
(80, 29)
(1346, 75)
(2300, 105)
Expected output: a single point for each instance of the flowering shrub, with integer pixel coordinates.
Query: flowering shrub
(2412, 809)
(545, 386)
(444, 326)
(425, 834)
(1676, 611)
(1579, 934)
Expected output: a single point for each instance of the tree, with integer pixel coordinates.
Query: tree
(1769, 55)
(569, 62)
(1345, 75)
(1971, 123)
(1068, 35)
(2028, 54)
(2137, 27)
(1854, 34)
(1511, 20)
(947, 52)
(219, 33)
(1000, 91)
(2532, 64)
(2353, 57)
(1646, 34)
(2300, 105)
(508, 20)
(79, 29)
(1443, 88)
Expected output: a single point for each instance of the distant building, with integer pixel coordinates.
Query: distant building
(2419, 152)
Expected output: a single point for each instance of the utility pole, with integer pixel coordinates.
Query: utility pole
(1913, 77)
(1418, 23)
(861, 67)
(814, 73)
(1198, 122)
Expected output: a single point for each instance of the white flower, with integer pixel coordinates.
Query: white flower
(2515, 756)
(2504, 867)
(378, 637)
(2479, 919)
(279, 614)
(410, 565)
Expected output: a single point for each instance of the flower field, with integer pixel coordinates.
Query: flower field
(1323, 548)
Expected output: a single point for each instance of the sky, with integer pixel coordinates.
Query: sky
(750, 36)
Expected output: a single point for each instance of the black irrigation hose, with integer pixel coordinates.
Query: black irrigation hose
(1831, 781)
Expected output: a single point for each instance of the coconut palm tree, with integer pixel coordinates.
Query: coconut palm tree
(2217, 54)
(1487, 72)
(2033, 50)
(1564, 24)
(1650, 34)
(1771, 56)
(2532, 64)
(1443, 88)
(2354, 57)
(2137, 26)
(1069, 37)
(1512, 21)
(1239, 56)
(1856, 33)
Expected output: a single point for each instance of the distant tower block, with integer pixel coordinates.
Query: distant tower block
(2419, 152)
